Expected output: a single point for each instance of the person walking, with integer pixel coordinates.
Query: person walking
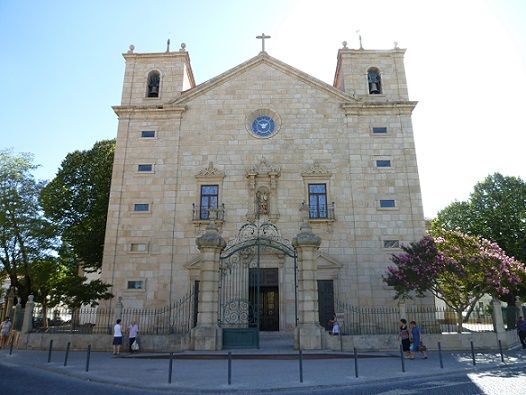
(416, 341)
(133, 330)
(404, 337)
(117, 337)
(5, 328)
(521, 331)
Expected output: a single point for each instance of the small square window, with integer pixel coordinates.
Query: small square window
(383, 163)
(139, 247)
(145, 168)
(380, 130)
(141, 207)
(391, 244)
(387, 203)
(135, 284)
(148, 134)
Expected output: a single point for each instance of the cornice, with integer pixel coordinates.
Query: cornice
(356, 108)
(150, 110)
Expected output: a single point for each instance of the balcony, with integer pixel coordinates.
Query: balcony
(208, 214)
(320, 213)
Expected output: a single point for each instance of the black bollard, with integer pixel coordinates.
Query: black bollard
(11, 345)
(301, 366)
(402, 358)
(341, 341)
(500, 349)
(355, 363)
(440, 356)
(473, 353)
(170, 366)
(67, 354)
(229, 368)
(49, 351)
(87, 357)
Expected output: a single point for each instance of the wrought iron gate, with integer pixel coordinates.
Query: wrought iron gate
(240, 283)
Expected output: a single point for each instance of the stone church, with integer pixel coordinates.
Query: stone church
(267, 194)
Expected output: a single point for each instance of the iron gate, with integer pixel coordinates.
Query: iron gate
(240, 283)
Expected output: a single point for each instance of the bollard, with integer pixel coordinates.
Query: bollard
(11, 345)
(87, 357)
(440, 356)
(402, 358)
(500, 349)
(170, 366)
(355, 363)
(473, 353)
(301, 366)
(341, 341)
(67, 354)
(49, 351)
(229, 368)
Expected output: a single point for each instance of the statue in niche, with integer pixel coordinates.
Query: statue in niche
(262, 201)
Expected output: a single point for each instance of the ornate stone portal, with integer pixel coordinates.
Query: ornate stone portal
(262, 191)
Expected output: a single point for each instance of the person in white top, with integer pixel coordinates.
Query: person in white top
(117, 338)
(335, 328)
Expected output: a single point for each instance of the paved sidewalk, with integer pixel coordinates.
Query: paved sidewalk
(200, 373)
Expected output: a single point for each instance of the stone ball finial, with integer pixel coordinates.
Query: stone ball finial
(344, 44)
(306, 237)
(211, 238)
(183, 47)
(131, 48)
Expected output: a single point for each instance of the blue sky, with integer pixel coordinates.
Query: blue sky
(62, 69)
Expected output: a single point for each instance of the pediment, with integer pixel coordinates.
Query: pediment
(194, 263)
(328, 262)
(262, 58)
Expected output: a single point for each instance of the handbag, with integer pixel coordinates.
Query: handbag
(422, 347)
(135, 346)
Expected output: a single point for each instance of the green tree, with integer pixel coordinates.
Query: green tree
(77, 200)
(26, 237)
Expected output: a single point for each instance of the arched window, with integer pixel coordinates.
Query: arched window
(154, 79)
(375, 81)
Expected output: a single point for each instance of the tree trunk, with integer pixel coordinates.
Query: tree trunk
(459, 321)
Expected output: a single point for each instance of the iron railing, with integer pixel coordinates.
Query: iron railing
(201, 213)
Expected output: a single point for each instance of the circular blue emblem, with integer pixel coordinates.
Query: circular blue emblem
(263, 126)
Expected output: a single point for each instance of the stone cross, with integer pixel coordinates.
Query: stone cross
(262, 38)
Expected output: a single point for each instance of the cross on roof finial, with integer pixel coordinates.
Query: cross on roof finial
(262, 38)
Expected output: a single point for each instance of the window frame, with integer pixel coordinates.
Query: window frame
(141, 136)
(318, 211)
(136, 205)
(151, 170)
(388, 207)
(202, 215)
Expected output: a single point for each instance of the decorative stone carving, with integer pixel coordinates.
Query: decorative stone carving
(210, 172)
(316, 170)
(264, 168)
(262, 190)
(262, 200)
(211, 238)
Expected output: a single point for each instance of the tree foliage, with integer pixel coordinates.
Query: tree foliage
(77, 200)
(454, 267)
(26, 237)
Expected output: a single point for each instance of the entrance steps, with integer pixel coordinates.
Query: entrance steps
(276, 341)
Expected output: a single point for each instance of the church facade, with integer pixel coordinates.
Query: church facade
(269, 149)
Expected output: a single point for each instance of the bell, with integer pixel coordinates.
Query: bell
(154, 90)
(374, 88)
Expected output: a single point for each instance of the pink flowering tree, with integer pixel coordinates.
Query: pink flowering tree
(454, 267)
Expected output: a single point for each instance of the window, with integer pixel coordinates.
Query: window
(383, 163)
(141, 207)
(139, 247)
(147, 134)
(374, 80)
(387, 203)
(145, 168)
(209, 199)
(391, 244)
(154, 80)
(379, 130)
(317, 201)
(135, 284)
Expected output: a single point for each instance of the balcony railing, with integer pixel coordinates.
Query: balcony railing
(200, 213)
(320, 212)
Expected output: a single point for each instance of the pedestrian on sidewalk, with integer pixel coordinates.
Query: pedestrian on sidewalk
(404, 337)
(416, 341)
(133, 330)
(117, 337)
(5, 328)
(521, 331)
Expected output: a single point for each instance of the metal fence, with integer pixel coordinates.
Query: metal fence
(177, 318)
(430, 319)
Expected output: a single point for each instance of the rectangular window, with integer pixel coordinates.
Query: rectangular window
(148, 134)
(391, 244)
(387, 203)
(141, 207)
(139, 247)
(209, 199)
(317, 201)
(380, 130)
(383, 163)
(135, 284)
(145, 168)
